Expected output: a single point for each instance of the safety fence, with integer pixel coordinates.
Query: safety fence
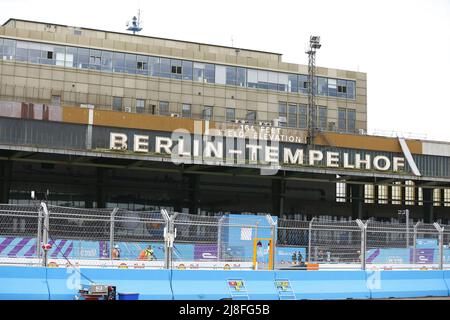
(42, 234)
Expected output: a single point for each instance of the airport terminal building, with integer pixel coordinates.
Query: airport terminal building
(105, 119)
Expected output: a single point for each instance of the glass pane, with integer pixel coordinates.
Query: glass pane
(186, 110)
(117, 103)
(107, 57)
(342, 119)
(95, 59)
(351, 89)
(220, 76)
(322, 121)
(230, 114)
(252, 78)
(303, 116)
(175, 69)
(207, 113)
(263, 79)
(351, 120)
(293, 83)
(282, 109)
(153, 65)
(332, 87)
(272, 81)
(83, 58)
(292, 115)
(71, 57)
(187, 68)
(241, 77)
(34, 52)
(284, 82)
(163, 108)
(231, 76)
(165, 69)
(303, 83)
(22, 51)
(322, 86)
(130, 63)
(199, 69)
(342, 88)
(9, 49)
(209, 73)
(142, 65)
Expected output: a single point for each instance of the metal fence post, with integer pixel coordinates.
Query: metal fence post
(39, 234)
(309, 238)
(111, 232)
(46, 231)
(363, 228)
(441, 244)
(219, 238)
(272, 251)
(169, 238)
(415, 241)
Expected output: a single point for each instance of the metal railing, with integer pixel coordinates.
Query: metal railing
(48, 235)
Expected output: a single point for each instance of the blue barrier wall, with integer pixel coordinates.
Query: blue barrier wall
(39, 283)
(407, 284)
(327, 284)
(213, 284)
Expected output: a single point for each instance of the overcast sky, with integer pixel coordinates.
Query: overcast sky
(402, 45)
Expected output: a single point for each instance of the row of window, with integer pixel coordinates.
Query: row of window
(439, 195)
(109, 61)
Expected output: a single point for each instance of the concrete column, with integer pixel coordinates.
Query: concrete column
(100, 193)
(278, 190)
(5, 186)
(357, 196)
(194, 189)
(428, 216)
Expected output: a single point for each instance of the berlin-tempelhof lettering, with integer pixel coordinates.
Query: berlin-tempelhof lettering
(214, 147)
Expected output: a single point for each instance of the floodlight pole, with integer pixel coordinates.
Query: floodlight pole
(314, 44)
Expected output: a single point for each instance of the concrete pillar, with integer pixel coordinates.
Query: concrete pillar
(428, 216)
(100, 193)
(5, 186)
(357, 197)
(278, 190)
(194, 189)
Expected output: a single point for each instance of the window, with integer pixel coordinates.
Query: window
(241, 77)
(221, 74)
(351, 89)
(303, 84)
(351, 120)
(22, 51)
(140, 105)
(303, 116)
(322, 86)
(34, 53)
(230, 114)
(341, 192)
(117, 103)
(83, 58)
(342, 115)
(292, 115)
(9, 49)
(118, 62)
(292, 82)
(322, 118)
(164, 108)
(209, 73)
(199, 70)
(231, 73)
(187, 69)
(95, 59)
(396, 193)
(71, 57)
(106, 63)
(332, 87)
(282, 113)
(368, 193)
(207, 113)
(251, 116)
(447, 197)
(382, 194)
(409, 193)
(175, 69)
(186, 110)
(142, 65)
(165, 68)
(263, 79)
(130, 63)
(56, 100)
(272, 81)
(153, 65)
(342, 88)
(252, 78)
(436, 197)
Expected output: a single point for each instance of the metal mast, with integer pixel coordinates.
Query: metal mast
(314, 44)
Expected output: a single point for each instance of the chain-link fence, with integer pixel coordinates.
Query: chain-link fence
(61, 236)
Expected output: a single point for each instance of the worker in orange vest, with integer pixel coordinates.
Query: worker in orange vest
(147, 254)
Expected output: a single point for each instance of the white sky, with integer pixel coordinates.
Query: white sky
(402, 45)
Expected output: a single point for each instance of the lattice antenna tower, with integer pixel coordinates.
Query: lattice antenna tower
(135, 24)
(314, 44)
